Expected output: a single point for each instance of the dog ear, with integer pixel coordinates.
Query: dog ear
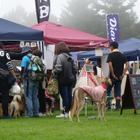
(102, 79)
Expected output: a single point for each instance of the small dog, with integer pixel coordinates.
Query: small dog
(17, 106)
(97, 94)
(49, 104)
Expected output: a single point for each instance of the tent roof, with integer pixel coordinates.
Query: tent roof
(130, 47)
(75, 39)
(130, 44)
(10, 31)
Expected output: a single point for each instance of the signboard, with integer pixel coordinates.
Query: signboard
(135, 86)
(131, 97)
(89, 67)
(42, 10)
(113, 31)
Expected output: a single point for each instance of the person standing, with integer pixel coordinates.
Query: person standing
(42, 87)
(30, 86)
(6, 64)
(64, 69)
(131, 69)
(116, 61)
(98, 68)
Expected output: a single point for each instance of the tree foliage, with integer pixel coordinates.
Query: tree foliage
(90, 16)
(21, 16)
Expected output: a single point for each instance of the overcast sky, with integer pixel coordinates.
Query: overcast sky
(29, 5)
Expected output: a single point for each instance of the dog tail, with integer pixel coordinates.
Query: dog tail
(17, 98)
(73, 107)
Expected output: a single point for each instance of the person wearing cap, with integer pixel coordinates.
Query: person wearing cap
(5, 64)
(116, 61)
(30, 86)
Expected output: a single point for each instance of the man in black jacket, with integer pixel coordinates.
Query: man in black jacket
(5, 63)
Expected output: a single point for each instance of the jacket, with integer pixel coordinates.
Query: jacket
(65, 69)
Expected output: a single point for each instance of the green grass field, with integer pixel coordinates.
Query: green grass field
(114, 127)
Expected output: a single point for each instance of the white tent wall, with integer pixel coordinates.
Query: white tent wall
(104, 65)
(49, 56)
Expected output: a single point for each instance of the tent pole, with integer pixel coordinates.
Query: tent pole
(138, 63)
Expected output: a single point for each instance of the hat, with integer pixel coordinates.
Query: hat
(26, 49)
(114, 44)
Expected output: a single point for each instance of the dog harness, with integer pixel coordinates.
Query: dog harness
(96, 93)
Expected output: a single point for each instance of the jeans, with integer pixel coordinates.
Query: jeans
(4, 89)
(66, 94)
(42, 98)
(31, 93)
(117, 88)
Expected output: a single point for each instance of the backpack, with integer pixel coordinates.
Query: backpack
(36, 69)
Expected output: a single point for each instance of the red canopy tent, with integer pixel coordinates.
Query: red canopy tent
(75, 39)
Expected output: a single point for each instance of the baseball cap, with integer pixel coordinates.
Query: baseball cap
(25, 49)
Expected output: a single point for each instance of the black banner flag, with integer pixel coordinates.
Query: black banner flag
(42, 10)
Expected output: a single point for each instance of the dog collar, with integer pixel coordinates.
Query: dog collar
(104, 86)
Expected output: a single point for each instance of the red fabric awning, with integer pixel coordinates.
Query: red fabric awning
(75, 39)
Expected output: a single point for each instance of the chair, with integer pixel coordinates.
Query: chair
(109, 102)
(88, 101)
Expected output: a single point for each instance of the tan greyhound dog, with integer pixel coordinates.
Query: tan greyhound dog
(97, 94)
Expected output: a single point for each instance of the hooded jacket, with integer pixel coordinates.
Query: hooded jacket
(65, 69)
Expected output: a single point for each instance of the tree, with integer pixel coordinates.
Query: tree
(90, 16)
(78, 14)
(24, 18)
(127, 17)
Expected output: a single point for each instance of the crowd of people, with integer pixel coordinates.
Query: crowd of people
(64, 70)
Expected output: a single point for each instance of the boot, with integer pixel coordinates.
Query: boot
(118, 106)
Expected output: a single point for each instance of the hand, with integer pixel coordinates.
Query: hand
(122, 76)
(114, 76)
(53, 72)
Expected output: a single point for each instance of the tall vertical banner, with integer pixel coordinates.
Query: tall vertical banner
(113, 31)
(42, 10)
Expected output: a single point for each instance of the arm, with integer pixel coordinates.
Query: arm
(112, 71)
(9, 65)
(125, 69)
(58, 65)
(16, 56)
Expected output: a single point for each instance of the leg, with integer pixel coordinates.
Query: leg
(48, 104)
(80, 107)
(28, 98)
(42, 99)
(99, 110)
(117, 90)
(35, 99)
(65, 100)
(74, 105)
(103, 104)
(80, 102)
(5, 97)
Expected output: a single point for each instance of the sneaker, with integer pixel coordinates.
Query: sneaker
(60, 116)
(35, 116)
(66, 115)
(42, 115)
(7, 117)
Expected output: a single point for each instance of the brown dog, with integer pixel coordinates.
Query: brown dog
(97, 94)
(17, 105)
